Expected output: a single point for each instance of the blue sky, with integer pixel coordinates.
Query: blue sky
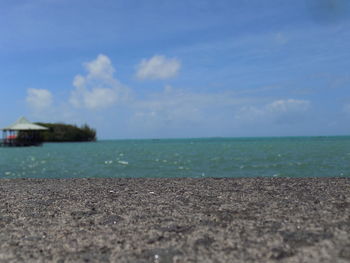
(161, 68)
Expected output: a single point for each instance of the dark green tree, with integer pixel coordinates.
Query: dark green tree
(60, 132)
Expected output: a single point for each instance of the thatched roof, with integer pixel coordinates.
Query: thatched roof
(22, 124)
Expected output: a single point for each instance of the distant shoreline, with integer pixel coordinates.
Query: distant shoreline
(227, 138)
(128, 220)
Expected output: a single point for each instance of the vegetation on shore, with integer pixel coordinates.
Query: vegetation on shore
(59, 132)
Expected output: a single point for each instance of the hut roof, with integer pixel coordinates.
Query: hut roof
(22, 124)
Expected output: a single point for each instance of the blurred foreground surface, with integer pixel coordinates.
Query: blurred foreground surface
(175, 220)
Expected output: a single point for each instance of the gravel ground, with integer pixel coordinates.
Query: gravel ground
(175, 220)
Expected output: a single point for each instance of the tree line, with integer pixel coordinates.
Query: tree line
(60, 132)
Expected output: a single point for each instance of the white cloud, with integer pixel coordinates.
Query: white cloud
(101, 68)
(39, 99)
(290, 105)
(98, 89)
(277, 111)
(93, 99)
(158, 67)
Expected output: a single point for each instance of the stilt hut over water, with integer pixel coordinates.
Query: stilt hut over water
(22, 133)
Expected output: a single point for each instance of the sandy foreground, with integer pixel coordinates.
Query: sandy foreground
(175, 220)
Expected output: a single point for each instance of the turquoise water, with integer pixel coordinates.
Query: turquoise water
(216, 157)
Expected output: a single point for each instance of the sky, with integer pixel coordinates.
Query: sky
(174, 69)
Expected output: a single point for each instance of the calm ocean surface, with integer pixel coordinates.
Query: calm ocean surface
(216, 157)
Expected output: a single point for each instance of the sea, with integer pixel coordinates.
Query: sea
(197, 158)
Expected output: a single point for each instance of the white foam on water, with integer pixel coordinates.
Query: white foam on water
(123, 162)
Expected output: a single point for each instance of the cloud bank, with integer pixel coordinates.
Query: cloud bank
(158, 67)
(171, 112)
(180, 106)
(281, 111)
